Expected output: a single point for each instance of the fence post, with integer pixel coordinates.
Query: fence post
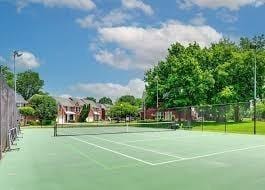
(225, 118)
(202, 111)
(1, 117)
(255, 116)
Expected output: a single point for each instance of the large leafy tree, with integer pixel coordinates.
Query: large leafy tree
(29, 83)
(221, 73)
(105, 100)
(84, 113)
(45, 107)
(128, 99)
(122, 110)
(26, 112)
(179, 80)
(138, 102)
(91, 98)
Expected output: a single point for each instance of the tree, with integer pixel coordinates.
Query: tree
(122, 110)
(139, 102)
(45, 107)
(105, 100)
(26, 111)
(8, 76)
(91, 98)
(29, 83)
(128, 99)
(84, 113)
(221, 73)
(179, 80)
(227, 95)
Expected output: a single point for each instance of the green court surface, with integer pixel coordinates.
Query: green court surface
(186, 160)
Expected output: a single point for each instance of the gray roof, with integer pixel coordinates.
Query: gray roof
(64, 101)
(77, 101)
(71, 102)
(90, 102)
(20, 99)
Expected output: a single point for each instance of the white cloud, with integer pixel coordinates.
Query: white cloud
(226, 16)
(138, 4)
(27, 61)
(198, 20)
(214, 4)
(74, 4)
(118, 58)
(141, 48)
(114, 18)
(134, 87)
(87, 22)
(2, 60)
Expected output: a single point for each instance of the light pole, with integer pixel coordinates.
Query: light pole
(15, 54)
(157, 98)
(255, 92)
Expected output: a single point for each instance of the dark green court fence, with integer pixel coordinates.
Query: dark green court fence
(234, 118)
(8, 116)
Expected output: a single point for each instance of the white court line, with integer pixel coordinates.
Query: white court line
(147, 140)
(172, 139)
(136, 147)
(116, 152)
(209, 155)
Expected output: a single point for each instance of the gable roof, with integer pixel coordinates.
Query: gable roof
(90, 102)
(77, 101)
(64, 101)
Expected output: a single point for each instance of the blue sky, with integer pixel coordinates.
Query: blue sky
(102, 47)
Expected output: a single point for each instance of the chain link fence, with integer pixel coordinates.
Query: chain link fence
(233, 118)
(8, 117)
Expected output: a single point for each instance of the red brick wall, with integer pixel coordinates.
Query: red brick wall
(177, 114)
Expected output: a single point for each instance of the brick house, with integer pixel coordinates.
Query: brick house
(69, 110)
(97, 111)
(178, 114)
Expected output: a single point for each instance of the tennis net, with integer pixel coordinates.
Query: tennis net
(107, 128)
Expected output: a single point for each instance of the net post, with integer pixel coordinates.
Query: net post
(255, 116)
(127, 128)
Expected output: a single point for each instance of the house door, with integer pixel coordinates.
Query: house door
(71, 118)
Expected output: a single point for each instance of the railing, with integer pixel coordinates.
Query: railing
(233, 117)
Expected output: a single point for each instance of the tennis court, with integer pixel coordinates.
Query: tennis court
(145, 160)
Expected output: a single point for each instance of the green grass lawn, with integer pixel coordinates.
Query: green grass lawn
(245, 127)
